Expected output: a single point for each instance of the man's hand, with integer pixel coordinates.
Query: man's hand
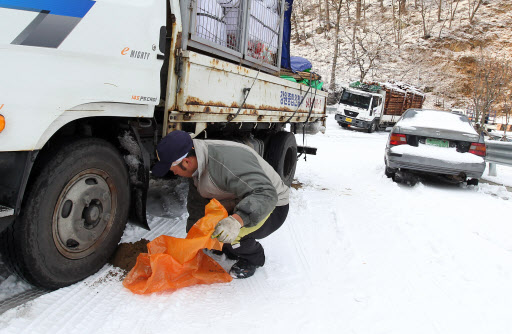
(227, 230)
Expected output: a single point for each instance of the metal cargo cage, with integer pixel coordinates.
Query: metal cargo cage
(248, 32)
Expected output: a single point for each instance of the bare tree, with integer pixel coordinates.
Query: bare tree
(296, 27)
(491, 76)
(443, 6)
(507, 111)
(337, 4)
(327, 16)
(402, 7)
(320, 13)
(473, 6)
(399, 20)
(353, 23)
(358, 11)
(299, 14)
(370, 42)
(426, 17)
(453, 9)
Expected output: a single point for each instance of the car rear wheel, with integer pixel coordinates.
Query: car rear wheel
(389, 172)
(472, 182)
(405, 178)
(73, 216)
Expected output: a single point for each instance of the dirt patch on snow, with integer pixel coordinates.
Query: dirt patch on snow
(126, 254)
(296, 185)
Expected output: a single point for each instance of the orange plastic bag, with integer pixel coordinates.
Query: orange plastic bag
(173, 263)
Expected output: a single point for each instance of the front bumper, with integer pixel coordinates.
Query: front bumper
(433, 166)
(352, 121)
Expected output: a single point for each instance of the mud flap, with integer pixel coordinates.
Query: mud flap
(139, 189)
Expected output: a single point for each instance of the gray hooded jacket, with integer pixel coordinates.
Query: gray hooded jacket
(237, 177)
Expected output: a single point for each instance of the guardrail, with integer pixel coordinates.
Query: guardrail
(498, 152)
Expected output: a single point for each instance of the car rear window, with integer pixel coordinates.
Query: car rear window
(436, 119)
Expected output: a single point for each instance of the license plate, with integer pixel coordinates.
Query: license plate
(348, 119)
(437, 142)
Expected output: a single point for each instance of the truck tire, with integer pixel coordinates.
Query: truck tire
(343, 125)
(282, 155)
(73, 216)
(372, 127)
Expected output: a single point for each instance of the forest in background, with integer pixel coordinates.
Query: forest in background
(457, 51)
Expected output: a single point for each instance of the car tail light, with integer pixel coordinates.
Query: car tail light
(478, 149)
(2, 123)
(397, 139)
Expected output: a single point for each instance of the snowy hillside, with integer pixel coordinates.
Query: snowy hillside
(441, 64)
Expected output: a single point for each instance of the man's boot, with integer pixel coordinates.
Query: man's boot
(243, 269)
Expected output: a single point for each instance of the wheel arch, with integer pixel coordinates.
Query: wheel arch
(109, 129)
(48, 267)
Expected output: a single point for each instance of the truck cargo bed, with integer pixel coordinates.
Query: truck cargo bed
(398, 102)
(212, 90)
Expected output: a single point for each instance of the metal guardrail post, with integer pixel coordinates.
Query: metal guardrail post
(498, 152)
(492, 169)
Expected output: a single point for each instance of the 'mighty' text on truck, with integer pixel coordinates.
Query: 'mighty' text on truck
(89, 87)
(376, 106)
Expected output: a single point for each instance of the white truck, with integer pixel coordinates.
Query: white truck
(87, 90)
(373, 106)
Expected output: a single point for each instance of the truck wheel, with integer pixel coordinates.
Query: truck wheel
(73, 216)
(372, 127)
(282, 155)
(343, 125)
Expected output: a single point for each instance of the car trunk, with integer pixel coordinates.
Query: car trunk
(440, 137)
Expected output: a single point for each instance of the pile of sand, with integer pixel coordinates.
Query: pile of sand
(126, 254)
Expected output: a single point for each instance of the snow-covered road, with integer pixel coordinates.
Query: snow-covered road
(357, 254)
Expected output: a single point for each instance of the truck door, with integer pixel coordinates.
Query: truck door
(376, 106)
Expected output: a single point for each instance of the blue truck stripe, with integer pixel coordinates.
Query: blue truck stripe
(72, 8)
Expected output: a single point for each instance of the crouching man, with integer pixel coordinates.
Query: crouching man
(234, 174)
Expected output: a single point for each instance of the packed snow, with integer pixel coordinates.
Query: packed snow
(357, 254)
(504, 175)
(447, 154)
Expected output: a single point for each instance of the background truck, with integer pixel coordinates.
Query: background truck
(374, 106)
(89, 87)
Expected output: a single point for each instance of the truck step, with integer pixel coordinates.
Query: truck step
(307, 150)
(6, 211)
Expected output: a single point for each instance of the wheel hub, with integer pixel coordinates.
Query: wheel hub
(84, 213)
(92, 215)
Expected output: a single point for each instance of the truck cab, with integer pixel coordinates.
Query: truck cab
(375, 105)
(360, 109)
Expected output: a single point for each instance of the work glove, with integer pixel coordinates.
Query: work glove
(227, 230)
